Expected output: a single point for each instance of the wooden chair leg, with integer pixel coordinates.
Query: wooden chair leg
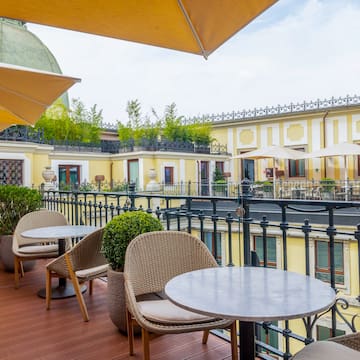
(234, 342)
(205, 336)
(16, 271)
(48, 289)
(77, 289)
(22, 269)
(90, 287)
(130, 331)
(145, 344)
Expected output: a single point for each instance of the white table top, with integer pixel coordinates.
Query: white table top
(250, 293)
(59, 232)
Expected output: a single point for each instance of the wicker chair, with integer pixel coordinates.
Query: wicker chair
(151, 260)
(350, 340)
(84, 262)
(346, 347)
(25, 249)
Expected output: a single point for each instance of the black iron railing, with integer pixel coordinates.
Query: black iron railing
(239, 217)
(27, 134)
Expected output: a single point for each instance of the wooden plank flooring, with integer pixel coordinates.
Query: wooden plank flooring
(28, 331)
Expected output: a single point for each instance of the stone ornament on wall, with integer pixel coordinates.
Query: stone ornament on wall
(246, 137)
(295, 133)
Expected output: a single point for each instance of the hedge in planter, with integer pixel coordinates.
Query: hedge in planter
(117, 235)
(15, 202)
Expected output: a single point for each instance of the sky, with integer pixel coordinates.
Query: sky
(297, 50)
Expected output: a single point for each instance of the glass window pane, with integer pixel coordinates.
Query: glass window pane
(271, 249)
(74, 179)
(301, 164)
(62, 175)
(322, 256)
(339, 257)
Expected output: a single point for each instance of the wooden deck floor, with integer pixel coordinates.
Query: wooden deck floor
(28, 331)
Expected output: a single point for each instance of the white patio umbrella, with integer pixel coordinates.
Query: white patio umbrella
(342, 149)
(272, 152)
(26, 93)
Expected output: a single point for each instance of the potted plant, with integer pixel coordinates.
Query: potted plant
(117, 235)
(15, 202)
(219, 185)
(268, 189)
(327, 186)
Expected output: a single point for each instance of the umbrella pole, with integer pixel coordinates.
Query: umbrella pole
(346, 179)
(274, 179)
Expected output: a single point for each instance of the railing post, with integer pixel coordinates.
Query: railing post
(76, 210)
(331, 232)
(246, 194)
(132, 196)
(229, 220)
(357, 237)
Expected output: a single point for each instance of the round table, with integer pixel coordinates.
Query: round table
(250, 294)
(59, 233)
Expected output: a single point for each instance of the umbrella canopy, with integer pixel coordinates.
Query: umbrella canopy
(26, 93)
(342, 149)
(272, 152)
(195, 26)
(275, 152)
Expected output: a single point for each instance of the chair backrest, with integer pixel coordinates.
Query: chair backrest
(36, 219)
(87, 252)
(153, 258)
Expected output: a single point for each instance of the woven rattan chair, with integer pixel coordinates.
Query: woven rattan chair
(346, 347)
(84, 262)
(350, 340)
(151, 260)
(25, 249)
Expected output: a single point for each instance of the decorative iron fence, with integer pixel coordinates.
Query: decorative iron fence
(235, 217)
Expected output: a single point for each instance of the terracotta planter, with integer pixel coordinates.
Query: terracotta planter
(116, 299)
(7, 256)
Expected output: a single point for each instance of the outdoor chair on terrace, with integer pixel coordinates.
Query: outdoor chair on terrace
(83, 262)
(346, 347)
(25, 249)
(152, 259)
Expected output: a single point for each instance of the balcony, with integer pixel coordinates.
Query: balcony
(26, 134)
(238, 230)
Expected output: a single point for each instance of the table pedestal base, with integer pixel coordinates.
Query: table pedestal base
(61, 292)
(247, 340)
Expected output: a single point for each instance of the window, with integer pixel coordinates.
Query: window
(11, 171)
(323, 332)
(297, 167)
(213, 243)
(169, 175)
(133, 172)
(322, 265)
(69, 175)
(270, 247)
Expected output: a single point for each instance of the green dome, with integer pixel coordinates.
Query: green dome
(19, 46)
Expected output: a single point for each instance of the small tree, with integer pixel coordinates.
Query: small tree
(79, 124)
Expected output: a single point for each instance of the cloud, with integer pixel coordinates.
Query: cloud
(295, 51)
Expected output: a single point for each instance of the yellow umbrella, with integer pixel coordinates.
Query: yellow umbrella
(195, 26)
(26, 93)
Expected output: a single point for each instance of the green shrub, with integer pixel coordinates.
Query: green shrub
(15, 202)
(267, 186)
(121, 230)
(327, 184)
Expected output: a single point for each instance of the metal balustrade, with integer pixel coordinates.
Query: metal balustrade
(239, 217)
